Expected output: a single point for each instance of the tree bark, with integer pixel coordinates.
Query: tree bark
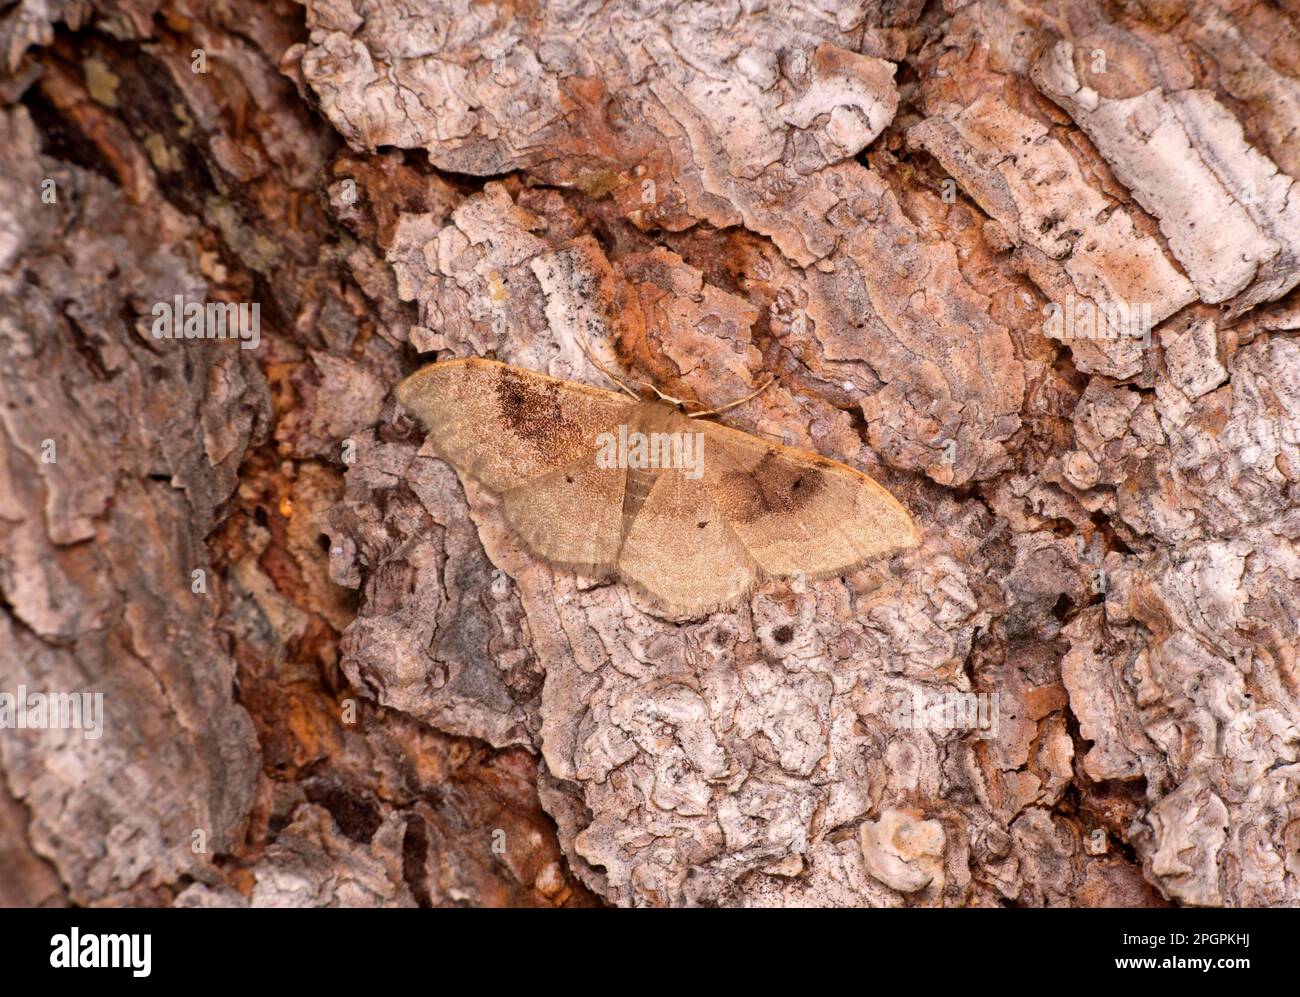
(1031, 265)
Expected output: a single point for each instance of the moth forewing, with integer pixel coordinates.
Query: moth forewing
(797, 512)
(505, 425)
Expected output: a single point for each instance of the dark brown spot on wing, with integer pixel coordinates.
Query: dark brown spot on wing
(772, 487)
(532, 411)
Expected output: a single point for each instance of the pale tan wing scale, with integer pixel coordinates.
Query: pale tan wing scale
(572, 516)
(532, 439)
(681, 549)
(504, 425)
(797, 512)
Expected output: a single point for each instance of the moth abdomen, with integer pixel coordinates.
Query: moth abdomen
(636, 490)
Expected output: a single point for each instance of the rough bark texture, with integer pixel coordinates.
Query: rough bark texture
(379, 699)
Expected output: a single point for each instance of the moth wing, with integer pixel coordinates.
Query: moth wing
(504, 425)
(680, 549)
(798, 512)
(572, 516)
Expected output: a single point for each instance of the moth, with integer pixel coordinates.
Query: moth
(691, 512)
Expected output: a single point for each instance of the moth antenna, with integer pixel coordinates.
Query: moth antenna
(590, 355)
(739, 401)
(662, 395)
